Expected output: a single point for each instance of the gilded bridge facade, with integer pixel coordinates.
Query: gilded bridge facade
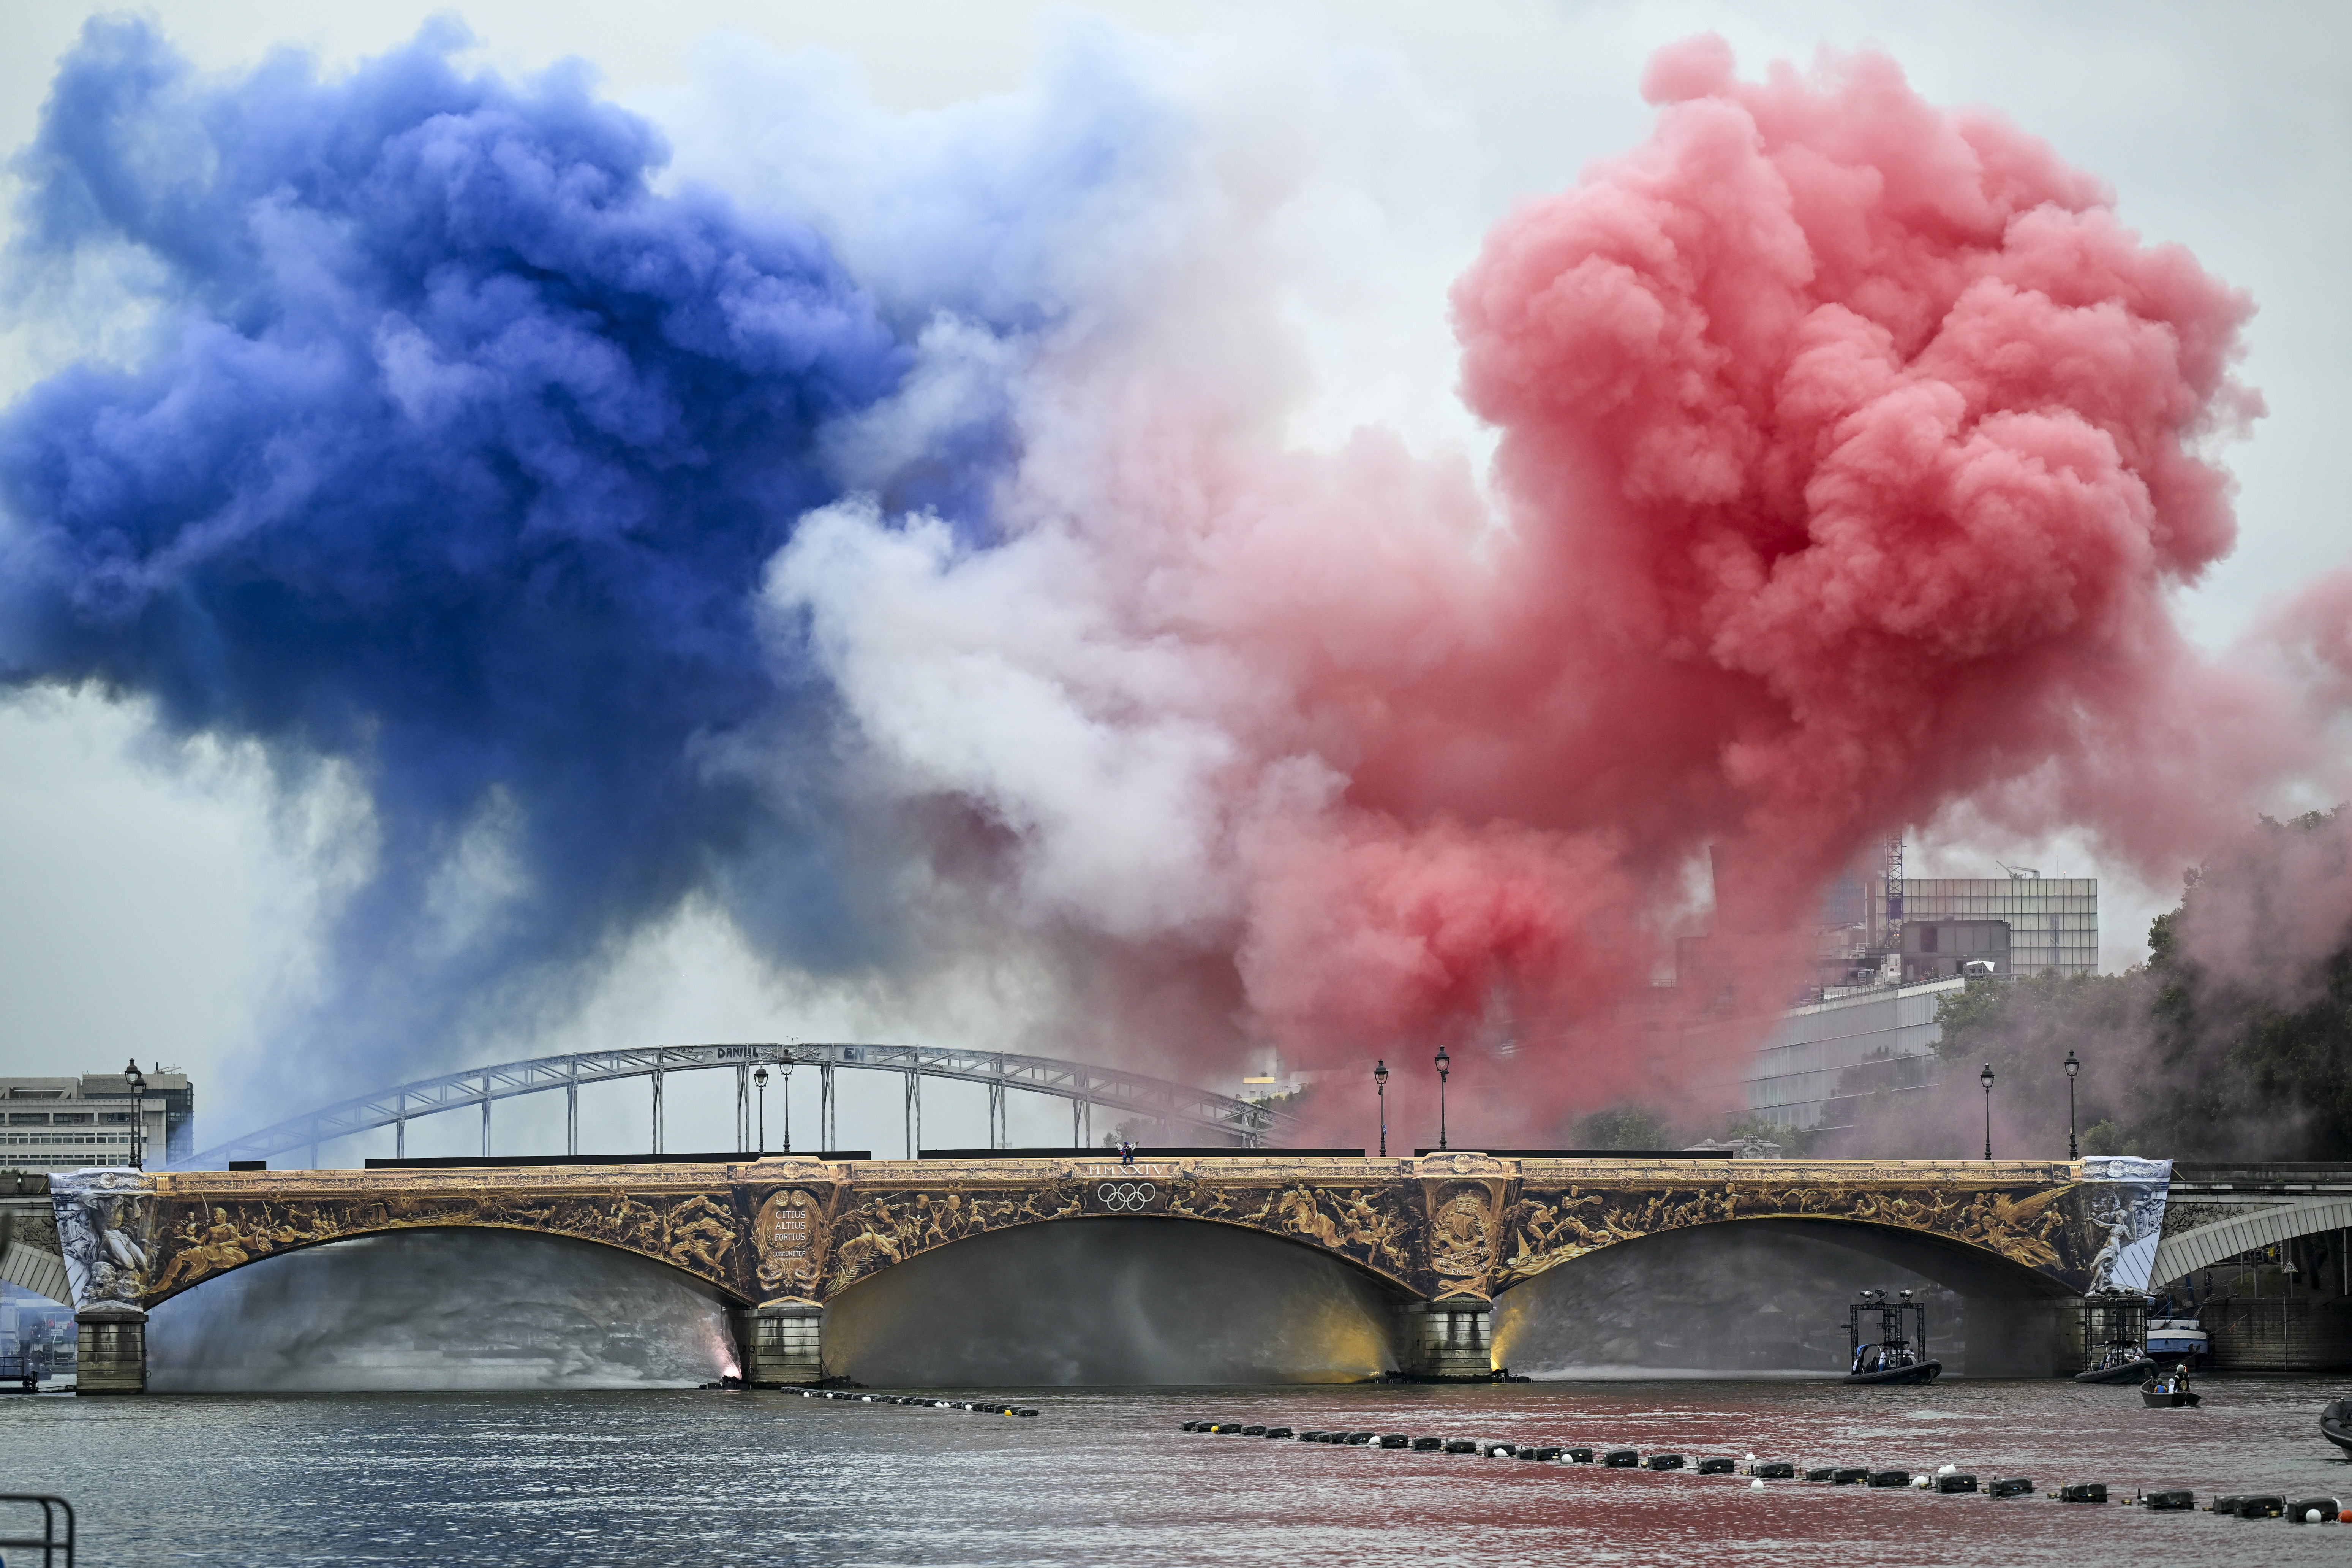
(778, 1238)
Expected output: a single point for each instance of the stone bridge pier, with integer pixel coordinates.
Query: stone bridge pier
(777, 1239)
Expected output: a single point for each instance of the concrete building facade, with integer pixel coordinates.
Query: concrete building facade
(68, 1123)
(1823, 1057)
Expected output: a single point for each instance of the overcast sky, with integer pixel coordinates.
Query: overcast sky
(158, 902)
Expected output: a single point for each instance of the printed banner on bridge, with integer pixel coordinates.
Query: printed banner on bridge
(2133, 1213)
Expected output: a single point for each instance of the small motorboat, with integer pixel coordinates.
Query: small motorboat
(1901, 1324)
(2182, 1340)
(1891, 1362)
(2335, 1424)
(2168, 1389)
(2122, 1361)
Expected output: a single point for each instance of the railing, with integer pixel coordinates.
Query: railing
(1168, 1104)
(49, 1543)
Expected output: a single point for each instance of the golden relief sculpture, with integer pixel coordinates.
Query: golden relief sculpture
(805, 1232)
(696, 1232)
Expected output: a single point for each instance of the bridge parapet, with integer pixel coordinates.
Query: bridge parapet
(783, 1236)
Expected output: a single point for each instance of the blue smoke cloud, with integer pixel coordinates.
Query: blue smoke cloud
(454, 455)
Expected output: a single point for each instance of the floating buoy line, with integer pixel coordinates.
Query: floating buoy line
(1949, 1481)
(849, 1397)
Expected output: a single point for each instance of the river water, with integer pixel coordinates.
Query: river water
(1104, 1476)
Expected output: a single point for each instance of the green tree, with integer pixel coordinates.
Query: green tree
(1621, 1127)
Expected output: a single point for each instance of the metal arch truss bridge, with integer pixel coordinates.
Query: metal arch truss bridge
(1175, 1106)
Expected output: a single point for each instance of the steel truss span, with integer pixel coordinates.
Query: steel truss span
(1172, 1105)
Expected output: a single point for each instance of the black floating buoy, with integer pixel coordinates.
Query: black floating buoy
(1773, 1470)
(1819, 1473)
(1460, 1445)
(1718, 1467)
(1396, 1440)
(1545, 1454)
(1847, 1475)
(2083, 1491)
(1275, 1432)
(1663, 1462)
(1574, 1456)
(1253, 1431)
(1022, 1410)
(1955, 1483)
(2301, 1511)
(1190, 1426)
(1427, 1445)
(1314, 1436)
(2169, 1501)
(1358, 1439)
(1621, 1458)
(1892, 1479)
(2015, 1486)
(2266, 1505)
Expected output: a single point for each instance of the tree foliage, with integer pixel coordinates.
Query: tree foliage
(2234, 1041)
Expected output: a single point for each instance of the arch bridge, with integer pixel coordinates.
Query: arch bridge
(1176, 1106)
(778, 1238)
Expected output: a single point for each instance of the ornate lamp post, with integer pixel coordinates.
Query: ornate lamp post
(785, 1068)
(138, 1082)
(760, 1080)
(2073, 1066)
(1380, 1082)
(1445, 1070)
(1985, 1077)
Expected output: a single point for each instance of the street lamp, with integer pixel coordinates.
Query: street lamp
(760, 1080)
(138, 1082)
(2073, 1066)
(1445, 1070)
(1985, 1077)
(1380, 1082)
(785, 1068)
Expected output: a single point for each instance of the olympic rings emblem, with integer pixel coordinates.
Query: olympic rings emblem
(1125, 1197)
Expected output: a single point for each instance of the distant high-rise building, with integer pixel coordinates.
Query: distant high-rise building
(2054, 921)
(1868, 1023)
(67, 1123)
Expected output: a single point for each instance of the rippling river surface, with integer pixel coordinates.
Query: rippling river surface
(1103, 1476)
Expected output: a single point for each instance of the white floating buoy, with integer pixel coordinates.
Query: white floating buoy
(2311, 1516)
(1921, 1482)
(1751, 1456)
(1756, 1486)
(1948, 1469)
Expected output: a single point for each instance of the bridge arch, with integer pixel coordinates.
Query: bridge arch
(1771, 1293)
(2242, 1228)
(177, 1278)
(1195, 1113)
(1117, 1299)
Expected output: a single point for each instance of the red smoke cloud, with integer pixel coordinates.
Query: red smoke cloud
(1851, 448)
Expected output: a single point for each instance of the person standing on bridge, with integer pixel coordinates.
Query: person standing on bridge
(1126, 1151)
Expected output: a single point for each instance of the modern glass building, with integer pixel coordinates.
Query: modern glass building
(2054, 921)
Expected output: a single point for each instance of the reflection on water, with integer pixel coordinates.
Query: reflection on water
(1103, 1477)
(441, 1309)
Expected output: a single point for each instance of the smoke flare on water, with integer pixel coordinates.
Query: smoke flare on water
(900, 554)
